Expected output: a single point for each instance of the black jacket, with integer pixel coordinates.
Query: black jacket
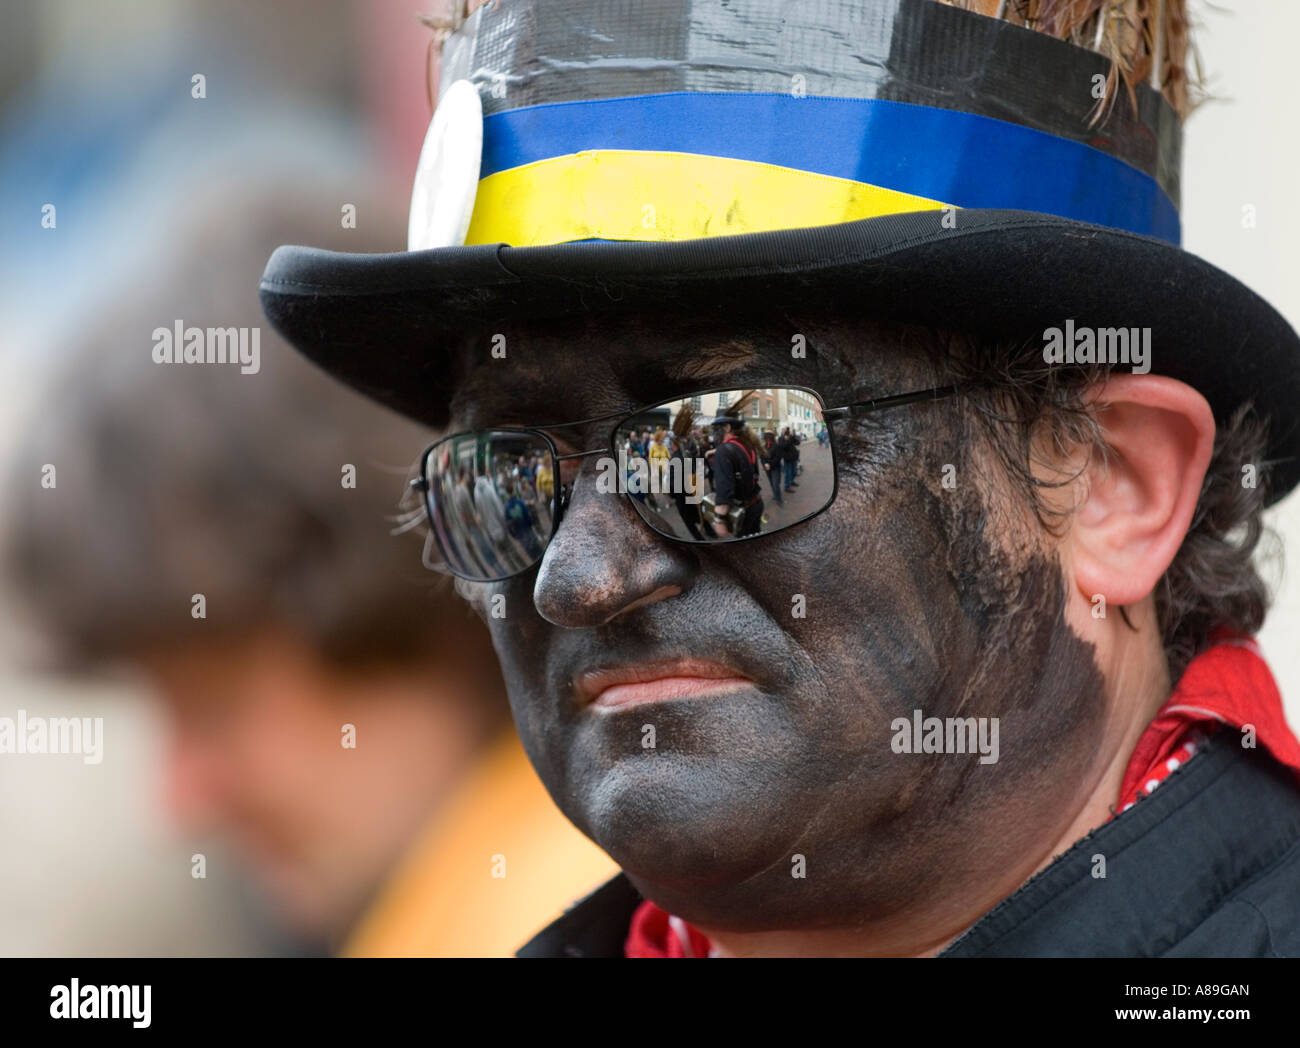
(735, 478)
(1207, 866)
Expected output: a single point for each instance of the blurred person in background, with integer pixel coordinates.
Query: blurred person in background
(334, 713)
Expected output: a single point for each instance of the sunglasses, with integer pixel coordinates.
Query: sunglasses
(716, 466)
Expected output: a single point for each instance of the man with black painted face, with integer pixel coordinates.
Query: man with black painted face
(772, 743)
(775, 735)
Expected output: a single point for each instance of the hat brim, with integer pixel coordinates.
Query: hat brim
(384, 324)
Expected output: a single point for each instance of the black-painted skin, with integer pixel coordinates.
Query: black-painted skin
(918, 597)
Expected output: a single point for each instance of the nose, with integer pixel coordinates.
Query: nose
(604, 562)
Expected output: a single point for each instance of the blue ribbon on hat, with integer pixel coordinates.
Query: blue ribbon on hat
(964, 159)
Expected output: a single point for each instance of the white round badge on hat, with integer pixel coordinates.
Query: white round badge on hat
(446, 178)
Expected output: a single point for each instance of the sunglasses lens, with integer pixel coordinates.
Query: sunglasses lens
(491, 501)
(726, 466)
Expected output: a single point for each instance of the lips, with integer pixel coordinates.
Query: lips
(621, 687)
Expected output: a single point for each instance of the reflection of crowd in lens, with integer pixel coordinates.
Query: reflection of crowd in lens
(781, 461)
(668, 456)
(498, 502)
(494, 494)
(732, 458)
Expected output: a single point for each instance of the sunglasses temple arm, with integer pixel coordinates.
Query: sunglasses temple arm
(864, 407)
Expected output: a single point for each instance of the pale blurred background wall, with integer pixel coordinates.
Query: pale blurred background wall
(1242, 149)
(96, 114)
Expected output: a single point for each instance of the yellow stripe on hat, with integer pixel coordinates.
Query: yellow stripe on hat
(626, 194)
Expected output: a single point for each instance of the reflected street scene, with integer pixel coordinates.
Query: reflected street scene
(712, 467)
(491, 501)
(728, 465)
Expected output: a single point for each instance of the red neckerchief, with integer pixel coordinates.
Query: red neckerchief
(1226, 687)
(732, 439)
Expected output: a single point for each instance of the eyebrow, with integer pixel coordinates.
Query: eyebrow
(709, 361)
(713, 361)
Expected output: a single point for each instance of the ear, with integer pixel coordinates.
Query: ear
(1139, 499)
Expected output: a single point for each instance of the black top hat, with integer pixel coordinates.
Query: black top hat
(902, 157)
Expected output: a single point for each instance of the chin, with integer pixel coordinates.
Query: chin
(680, 828)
